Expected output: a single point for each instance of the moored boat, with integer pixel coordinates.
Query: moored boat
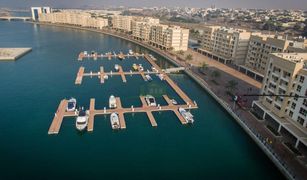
(140, 67)
(161, 76)
(71, 105)
(116, 67)
(150, 100)
(131, 52)
(112, 102)
(114, 121)
(134, 67)
(174, 101)
(186, 115)
(82, 120)
(148, 78)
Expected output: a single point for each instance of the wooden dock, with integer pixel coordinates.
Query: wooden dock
(80, 75)
(102, 74)
(61, 113)
(108, 55)
(122, 74)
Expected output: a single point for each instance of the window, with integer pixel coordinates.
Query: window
(305, 102)
(303, 112)
(290, 113)
(293, 105)
(277, 107)
(300, 120)
(302, 78)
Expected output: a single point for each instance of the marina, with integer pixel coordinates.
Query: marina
(109, 55)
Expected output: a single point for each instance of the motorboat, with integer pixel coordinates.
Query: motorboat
(114, 121)
(152, 57)
(121, 56)
(186, 115)
(153, 68)
(161, 76)
(150, 100)
(148, 78)
(112, 102)
(141, 67)
(134, 67)
(116, 67)
(71, 105)
(106, 76)
(131, 52)
(82, 119)
(174, 101)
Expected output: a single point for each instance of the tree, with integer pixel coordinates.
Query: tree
(204, 66)
(232, 86)
(215, 74)
(181, 52)
(189, 57)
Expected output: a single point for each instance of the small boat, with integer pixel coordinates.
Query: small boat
(150, 100)
(114, 121)
(116, 67)
(121, 56)
(134, 67)
(82, 120)
(71, 105)
(161, 76)
(153, 68)
(148, 78)
(174, 101)
(106, 76)
(141, 67)
(112, 102)
(186, 115)
(131, 52)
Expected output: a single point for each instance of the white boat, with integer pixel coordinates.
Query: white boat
(174, 101)
(106, 76)
(114, 121)
(148, 78)
(186, 115)
(71, 104)
(161, 76)
(153, 68)
(116, 67)
(141, 67)
(112, 102)
(150, 100)
(82, 120)
(131, 52)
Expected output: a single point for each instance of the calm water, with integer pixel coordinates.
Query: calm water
(215, 147)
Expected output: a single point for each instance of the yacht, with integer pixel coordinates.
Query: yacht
(116, 67)
(71, 105)
(134, 67)
(186, 115)
(141, 67)
(153, 68)
(161, 76)
(131, 52)
(114, 121)
(150, 100)
(174, 101)
(112, 102)
(82, 120)
(148, 78)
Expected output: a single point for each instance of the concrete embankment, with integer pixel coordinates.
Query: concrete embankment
(12, 54)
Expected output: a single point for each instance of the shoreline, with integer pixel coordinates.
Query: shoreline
(201, 83)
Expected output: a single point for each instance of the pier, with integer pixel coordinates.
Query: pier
(108, 55)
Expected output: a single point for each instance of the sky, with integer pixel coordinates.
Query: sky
(268, 4)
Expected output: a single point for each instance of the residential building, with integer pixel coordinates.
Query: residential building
(39, 10)
(224, 44)
(285, 86)
(121, 22)
(141, 27)
(74, 18)
(169, 37)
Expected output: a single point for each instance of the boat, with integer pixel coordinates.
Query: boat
(161, 76)
(116, 67)
(134, 67)
(82, 120)
(150, 100)
(114, 121)
(148, 78)
(71, 105)
(131, 52)
(112, 102)
(121, 56)
(174, 101)
(106, 76)
(153, 68)
(186, 115)
(152, 57)
(141, 67)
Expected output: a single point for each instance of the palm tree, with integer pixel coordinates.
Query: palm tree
(189, 57)
(215, 74)
(232, 86)
(181, 52)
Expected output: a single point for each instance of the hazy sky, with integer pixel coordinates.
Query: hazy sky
(284, 4)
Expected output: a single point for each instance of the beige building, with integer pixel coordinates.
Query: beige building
(169, 37)
(141, 27)
(285, 74)
(121, 22)
(74, 18)
(226, 45)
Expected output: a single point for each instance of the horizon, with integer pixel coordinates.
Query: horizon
(96, 4)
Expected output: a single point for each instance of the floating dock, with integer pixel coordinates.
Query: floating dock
(108, 55)
(61, 113)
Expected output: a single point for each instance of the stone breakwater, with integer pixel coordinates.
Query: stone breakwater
(13, 54)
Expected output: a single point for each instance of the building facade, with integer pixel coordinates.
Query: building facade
(141, 27)
(227, 45)
(36, 11)
(121, 22)
(285, 74)
(169, 37)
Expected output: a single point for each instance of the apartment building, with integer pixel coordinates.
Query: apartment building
(285, 74)
(141, 27)
(121, 22)
(224, 44)
(82, 19)
(169, 37)
(35, 11)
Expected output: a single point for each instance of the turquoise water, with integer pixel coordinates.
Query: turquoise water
(215, 147)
